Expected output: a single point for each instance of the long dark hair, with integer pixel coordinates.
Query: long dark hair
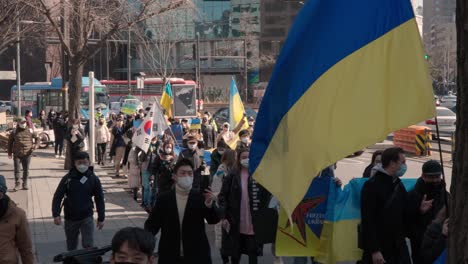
(374, 156)
(229, 159)
(239, 153)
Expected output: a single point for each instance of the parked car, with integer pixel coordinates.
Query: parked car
(448, 101)
(6, 106)
(222, 115)
(447, 120)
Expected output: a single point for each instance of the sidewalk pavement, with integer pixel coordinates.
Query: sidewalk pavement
(45, 175)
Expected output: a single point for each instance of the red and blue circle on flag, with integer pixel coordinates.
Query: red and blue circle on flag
(147, 127)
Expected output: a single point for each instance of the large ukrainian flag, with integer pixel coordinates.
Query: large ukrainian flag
(350, 73)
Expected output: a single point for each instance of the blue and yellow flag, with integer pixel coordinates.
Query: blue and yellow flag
(236, 111)
(350, 73)
(166, 99)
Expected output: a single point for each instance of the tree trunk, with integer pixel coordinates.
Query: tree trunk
(458, 230)
(74, 96)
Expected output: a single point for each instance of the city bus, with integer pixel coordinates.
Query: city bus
(48, 95)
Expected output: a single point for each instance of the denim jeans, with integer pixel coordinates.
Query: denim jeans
(73, 230)
(24, 162)
(147, 194)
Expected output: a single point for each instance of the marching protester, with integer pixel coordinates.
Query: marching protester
(195, 155)
(132, 245)
(43, 119)
(216, 156)
(28, 116)
(163, 167)
(383, 204)
(134, 172)
(14, 230)
(185, 126)
(20, 149)
(376, 160)
(118, 145)
(425, 201)
(180, 215)
(75, 137)
(146, 172)
(227, 165)
(78, 188)
(208, 133)
(244, 139)
(60, 128)
(102, 138)
(238, 205)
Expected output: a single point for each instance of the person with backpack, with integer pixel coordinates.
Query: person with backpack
(74, 193)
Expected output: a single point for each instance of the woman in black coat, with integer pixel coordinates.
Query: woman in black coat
(241, 200)
(75, 138)
(376, 159)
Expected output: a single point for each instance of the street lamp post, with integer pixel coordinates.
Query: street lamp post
(18, 65)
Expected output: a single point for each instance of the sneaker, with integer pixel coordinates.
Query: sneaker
(57, 156)
(17, 187)
(62, 157)
(25, 186)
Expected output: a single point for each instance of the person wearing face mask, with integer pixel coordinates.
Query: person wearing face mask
(426, 199)
(78, 188)
(75, 136)
(244, 139)
(146, 171)
(208, 132)
(162, 170)
(60, 128)
(132, 245)
(102, 138)
(384, 216)
(180, 215)
(376, 160)
(241, 200)
(28, 116)
(20, 149)
(195, 155)
(14, 229)
(216, 156)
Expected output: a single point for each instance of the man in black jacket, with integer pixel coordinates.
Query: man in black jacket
(209, 133)
(78, 187)
(60, 128)
(180, 215)
(383, 212)
(426, 199)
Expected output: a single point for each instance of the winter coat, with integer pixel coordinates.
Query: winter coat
(102, 134)
(78, 145)
(165, 218)
(162, 171)
(29, 122)
(60, 128)
(134, 173)
(118, 134)
(383, 218)
(20, 142)
(229, 200)
(418, 222)
(433, 243)
(215, 162)
(78, 203)
(209, 136)
(15, 236)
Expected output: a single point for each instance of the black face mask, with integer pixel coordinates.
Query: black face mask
(432, 189)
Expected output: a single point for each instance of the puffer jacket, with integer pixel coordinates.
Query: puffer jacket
(102, 134)
(20, 142)
(15, 236)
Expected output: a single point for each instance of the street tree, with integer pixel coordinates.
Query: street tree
(90, 25)
(11, 13)
(458, 228)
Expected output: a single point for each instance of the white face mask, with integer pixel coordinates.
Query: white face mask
(192, 146)
(185, 182)
(168, 150)
(245, 163)
(245, 140)
(22, 125)
(82, 168)
(76, 126)
(221, 152)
